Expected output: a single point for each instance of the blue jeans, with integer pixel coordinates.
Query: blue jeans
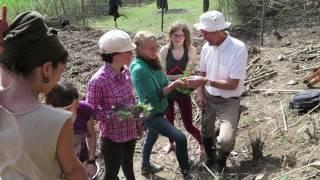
(160, 125)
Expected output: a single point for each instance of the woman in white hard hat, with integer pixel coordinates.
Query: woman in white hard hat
(111, 87)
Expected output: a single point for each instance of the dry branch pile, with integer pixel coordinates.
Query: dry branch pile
(258, 72)
(307, 54)
(280, 13)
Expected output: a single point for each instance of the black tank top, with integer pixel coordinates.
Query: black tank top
(174, 67)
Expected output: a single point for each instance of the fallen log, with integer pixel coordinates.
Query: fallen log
(208, 169)
(261, 77)
(284, 118)
(277, 90)
(295, 53)
(263, 66)
(253, 62)
(307, 69)
(263, 73)
(255, 83)
(314, 164)
(305, 115)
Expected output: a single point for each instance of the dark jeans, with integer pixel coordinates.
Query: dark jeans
(185, 107)
(160, 125)
(116, 155)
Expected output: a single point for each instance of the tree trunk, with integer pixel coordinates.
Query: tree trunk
(262, 22)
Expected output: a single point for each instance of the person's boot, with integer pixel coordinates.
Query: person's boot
(211, 155)
(221, 161)
(151, 169)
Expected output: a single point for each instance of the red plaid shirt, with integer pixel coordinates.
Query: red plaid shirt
(106, 89)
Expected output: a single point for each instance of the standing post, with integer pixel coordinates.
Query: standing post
(56, 8)
(262, 21)
(205, 6)
(82, 7)
(63, 8)
(162, 14)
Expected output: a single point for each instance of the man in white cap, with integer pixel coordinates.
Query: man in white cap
(222, 73)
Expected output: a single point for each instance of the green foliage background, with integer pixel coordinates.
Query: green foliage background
(148, 17)
(144, 17)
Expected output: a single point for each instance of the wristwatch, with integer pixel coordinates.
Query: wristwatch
(91, 161)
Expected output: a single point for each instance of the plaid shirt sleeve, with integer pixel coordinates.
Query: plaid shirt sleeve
(95, 97)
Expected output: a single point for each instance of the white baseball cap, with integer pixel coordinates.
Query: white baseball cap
(212, 21)
(116, 41)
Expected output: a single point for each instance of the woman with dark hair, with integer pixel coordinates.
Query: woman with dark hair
(5, 75)
(178, 56)
(36, 57)
(111, 87)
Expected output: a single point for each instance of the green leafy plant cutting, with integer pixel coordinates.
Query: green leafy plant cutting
(143, 109)
(186, 74)
(138, 111)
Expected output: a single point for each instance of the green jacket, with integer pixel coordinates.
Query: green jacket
(149, 84)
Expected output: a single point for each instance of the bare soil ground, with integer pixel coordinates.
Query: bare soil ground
(261, 116)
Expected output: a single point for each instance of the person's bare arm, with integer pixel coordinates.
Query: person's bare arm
(69, 163)
(192, 54)
(200, 99)
(229, 84)
(163, 56)
(91, 144)
(172, 86)
(200, 81)
(91, 139)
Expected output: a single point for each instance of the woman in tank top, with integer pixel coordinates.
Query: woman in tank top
(177, 56)
(36, 58)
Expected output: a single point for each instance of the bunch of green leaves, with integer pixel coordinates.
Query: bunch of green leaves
(186, 74)
(144, 109)
(122, 112)
(138, 111)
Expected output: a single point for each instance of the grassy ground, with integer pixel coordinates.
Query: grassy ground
(16, 6)
(148, 17)
(46, 7)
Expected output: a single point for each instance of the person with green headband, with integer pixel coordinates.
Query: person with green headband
(5, 75)
(34, 55)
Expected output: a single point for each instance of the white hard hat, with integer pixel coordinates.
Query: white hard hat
(116, 41)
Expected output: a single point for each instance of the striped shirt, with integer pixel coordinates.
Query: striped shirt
(106, 89)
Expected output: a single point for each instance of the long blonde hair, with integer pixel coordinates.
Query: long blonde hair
(141, 37)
